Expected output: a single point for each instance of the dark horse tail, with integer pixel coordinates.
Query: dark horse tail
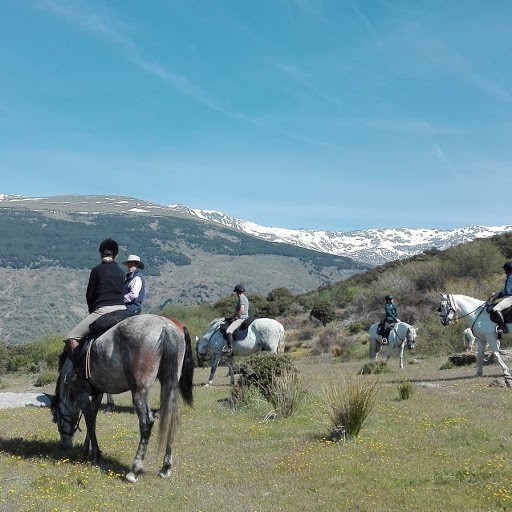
(168, 376)
(187, 370)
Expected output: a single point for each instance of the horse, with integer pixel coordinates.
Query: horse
(109, 407)
(129, 356)
(401, 334)
(264, 334)
(469, 339)
(479, 320)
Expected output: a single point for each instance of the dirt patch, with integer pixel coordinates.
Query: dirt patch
(13, 400)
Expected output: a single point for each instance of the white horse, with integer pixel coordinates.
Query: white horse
(263, 334)
(484, 329)
(401, 334)
(469, 339)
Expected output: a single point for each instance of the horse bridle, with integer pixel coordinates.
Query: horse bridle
(209, 339)
(406, 334)
(445, 319)
(65, 418)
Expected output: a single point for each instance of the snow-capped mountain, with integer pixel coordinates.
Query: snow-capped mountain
(370, 246)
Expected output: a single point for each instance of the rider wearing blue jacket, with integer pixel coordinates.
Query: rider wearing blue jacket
(391, 318)
(134, 284)
(506, 299)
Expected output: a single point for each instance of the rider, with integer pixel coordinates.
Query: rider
(134, 284)
(241, 314)
(391, 318)
(506, 299)
(104, 294)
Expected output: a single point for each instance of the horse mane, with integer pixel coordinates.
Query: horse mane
(216, 321)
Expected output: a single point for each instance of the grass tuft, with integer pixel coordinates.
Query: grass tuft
(347, 405)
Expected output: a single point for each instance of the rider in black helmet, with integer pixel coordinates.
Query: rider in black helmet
(104, 294)
(241, 314)
(390, 319)
(506, 299)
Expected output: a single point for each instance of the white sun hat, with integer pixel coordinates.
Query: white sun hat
(135, 258)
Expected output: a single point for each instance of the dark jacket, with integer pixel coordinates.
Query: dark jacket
(135, 305)
(105, 286)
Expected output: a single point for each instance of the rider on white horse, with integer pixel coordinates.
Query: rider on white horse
(391, 318)
(506, 299)
(241, 314)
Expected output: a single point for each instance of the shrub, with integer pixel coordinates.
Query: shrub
(373, 367)
(260, 371)
(323, 311)
(285, 393)
(405, 390)
(347, 405)
(46, 377)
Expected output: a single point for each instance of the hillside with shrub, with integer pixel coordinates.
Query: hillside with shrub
(333, 320)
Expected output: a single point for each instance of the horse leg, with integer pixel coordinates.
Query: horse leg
(402, 346)
(504, 367)
(495, 348)
(480, 358)
(95, 406)
(215, 363)
(146, 420)
(231, 372)
(90, 422)
(110, 403)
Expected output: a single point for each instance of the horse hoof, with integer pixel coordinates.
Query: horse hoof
(208, 384)
(164, 473)
(131, 477)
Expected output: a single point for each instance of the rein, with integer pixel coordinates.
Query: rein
(63, 418)
(454, 309)
(209, 340)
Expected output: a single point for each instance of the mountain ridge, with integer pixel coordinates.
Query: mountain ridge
(371, 246)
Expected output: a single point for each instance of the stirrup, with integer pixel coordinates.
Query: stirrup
(384, 341)
(226, 349)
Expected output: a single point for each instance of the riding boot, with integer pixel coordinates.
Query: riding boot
(228, 347)
(502, 326)
(73, 346)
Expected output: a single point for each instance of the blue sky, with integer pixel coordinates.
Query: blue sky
(316, 114)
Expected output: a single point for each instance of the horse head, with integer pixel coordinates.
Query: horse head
(64, 406)
(203, 342)
(447, 311)
(410, 337)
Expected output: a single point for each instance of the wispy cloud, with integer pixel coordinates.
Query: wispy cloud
(107, 27)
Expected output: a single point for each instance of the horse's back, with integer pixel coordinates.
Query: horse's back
(135, 343)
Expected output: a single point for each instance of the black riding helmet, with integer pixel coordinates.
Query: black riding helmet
(109, 247)
(239, 288)
(508, 267)
(389, 297)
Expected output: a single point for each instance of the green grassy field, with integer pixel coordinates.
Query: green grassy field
(446, 448)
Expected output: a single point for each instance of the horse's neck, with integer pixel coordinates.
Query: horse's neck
(401, 328)
(467, 306)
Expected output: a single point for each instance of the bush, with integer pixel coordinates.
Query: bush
(373, 367)
(347, 405)
(405, 390)
(260, 371)
(47, 377)
(324, 312)
(285, 393)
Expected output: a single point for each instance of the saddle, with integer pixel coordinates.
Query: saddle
(102, 325)
(240, 333)
(384, 328)
(108, 320)
(507, 313)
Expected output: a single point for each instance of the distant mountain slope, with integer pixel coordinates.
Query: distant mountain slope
(49, 245)
(370, 247)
